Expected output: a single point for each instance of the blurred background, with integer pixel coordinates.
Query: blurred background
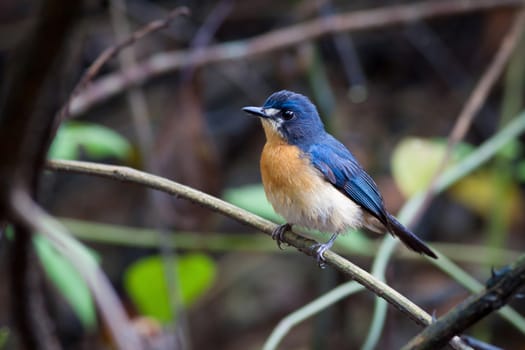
(390, 93)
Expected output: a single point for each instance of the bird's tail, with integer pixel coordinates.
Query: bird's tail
(408, 238)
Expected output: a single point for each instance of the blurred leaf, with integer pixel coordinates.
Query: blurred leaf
(253, 199)
(65, 277)
(95, 140)
(415, 161)
(4, 334)
(478, 193)
(145, 283)
(520, 168)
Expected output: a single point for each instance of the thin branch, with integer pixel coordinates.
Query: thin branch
(137, 104)
(111, 52)
(471, 310)
(303, 244)
(308, 310)
(476, 101)
(32, 216)
(115, 83)
(473, 105)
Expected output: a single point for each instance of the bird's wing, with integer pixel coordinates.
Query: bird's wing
(342, 170)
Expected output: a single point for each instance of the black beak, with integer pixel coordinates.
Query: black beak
(258, 111)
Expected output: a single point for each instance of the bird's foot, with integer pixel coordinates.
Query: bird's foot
(319, 249)
(278, 234)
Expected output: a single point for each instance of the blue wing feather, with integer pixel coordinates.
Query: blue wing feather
(341, 169)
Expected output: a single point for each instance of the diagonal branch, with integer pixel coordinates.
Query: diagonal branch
(28, 213)
(156, 65)
(475, 103)
(303, 244)
(112, 52)
(471, 310)
(472, 106)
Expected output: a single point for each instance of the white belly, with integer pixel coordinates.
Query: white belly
(322, 208)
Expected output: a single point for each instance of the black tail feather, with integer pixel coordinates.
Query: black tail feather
(408, 238)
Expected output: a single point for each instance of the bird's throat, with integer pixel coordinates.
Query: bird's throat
(273, 135)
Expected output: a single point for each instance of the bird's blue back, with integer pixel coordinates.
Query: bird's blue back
(342, 170)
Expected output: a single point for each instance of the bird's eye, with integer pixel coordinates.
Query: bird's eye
(287, 115)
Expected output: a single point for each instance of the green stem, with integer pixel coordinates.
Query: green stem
(481, 155)
(230, 242)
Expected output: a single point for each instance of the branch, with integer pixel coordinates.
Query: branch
(111, 52)
(303, 244)
(464, 120)
(471, 310)
(115, 83)
(476, 101)
(27, 212)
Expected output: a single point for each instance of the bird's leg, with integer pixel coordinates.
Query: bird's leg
(320, 248)
(278, 233)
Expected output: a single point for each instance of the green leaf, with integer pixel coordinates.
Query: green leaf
(95, 140)
(145, 283)
(67, 280)
(416, 160)
(253, 199)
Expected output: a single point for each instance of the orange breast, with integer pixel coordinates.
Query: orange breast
(286, 174)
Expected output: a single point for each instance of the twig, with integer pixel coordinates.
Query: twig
(471, 310)
(308, 310)
(111, 52)
(137, 103)
(205, 34)
(303, 244)
(476, 101)
(115, 83)
(464, 120)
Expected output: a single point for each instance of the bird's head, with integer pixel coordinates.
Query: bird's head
(289, 116)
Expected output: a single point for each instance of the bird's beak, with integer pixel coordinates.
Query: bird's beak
(258, 111)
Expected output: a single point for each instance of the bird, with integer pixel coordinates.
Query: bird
(313, 181)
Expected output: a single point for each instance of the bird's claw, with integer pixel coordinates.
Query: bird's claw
(278, 234)
(434, 317)
(318, 250)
